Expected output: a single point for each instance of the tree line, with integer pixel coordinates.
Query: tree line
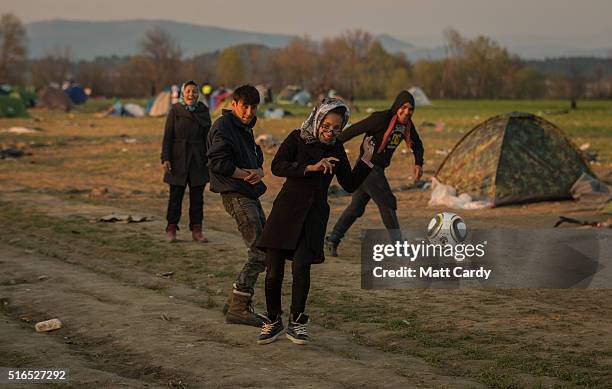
(354, 64)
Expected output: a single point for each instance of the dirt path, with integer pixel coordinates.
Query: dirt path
(122, 328)
(126, 326)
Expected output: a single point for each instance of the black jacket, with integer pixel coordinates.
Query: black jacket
(375, 125)
(300, 208)
(230, 145)
(184, 145)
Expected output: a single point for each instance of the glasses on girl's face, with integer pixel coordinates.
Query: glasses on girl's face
(327, 128)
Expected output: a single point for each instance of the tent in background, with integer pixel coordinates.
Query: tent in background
(301, 98)
(53, 98)
(12, 107)
(420, 98)
(161, 104)
(265, 94)
(76, 94)
(514, 158)
(223, 104)
(286, 95)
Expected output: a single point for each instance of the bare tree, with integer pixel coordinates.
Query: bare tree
(358, 43)
(159, 60)
(230, 67)
(454, 42)
(297, 63)
(482, 68)
(12, 49)
(159, 45)
(54, 68)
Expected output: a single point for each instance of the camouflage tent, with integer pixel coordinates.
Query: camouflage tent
(514, 158)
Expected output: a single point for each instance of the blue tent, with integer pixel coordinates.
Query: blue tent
(76, 94)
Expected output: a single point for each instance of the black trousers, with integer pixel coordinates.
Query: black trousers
(375, 187)
(196, 204)
(275, 271)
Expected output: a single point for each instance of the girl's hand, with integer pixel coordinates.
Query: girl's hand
(325, 165)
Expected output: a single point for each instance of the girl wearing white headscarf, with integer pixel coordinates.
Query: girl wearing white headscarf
(184, 161)
(295, 229)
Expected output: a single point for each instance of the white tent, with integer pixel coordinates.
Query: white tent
(161, 105)
(420, 98)
(301, 98)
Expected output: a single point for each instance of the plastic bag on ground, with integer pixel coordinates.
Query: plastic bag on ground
(446, 195)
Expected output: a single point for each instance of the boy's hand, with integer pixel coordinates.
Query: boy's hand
(418, 172)
(254, 176)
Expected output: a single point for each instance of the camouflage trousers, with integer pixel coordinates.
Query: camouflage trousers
(250, 219)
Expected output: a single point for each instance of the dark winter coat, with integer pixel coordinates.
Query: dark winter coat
(301, 209)
(184, 145)
(230, 145)
(376, 125)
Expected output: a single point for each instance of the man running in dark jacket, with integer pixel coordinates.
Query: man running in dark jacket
(388, 128)
(236, 172)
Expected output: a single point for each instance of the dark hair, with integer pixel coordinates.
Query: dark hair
(247, 94)
(190, 82)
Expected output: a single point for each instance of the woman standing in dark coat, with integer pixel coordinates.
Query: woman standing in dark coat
(184, 160)
(295, 228)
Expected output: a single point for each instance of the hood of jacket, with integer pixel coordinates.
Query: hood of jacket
(402, 98)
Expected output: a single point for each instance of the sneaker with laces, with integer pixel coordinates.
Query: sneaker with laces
(270, 330)
(296, 329)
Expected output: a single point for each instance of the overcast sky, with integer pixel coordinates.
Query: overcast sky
(421, 20)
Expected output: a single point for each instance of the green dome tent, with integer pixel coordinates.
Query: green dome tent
(11, 107)
(514, 158)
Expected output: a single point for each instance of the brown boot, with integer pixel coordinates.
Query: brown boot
(227, 304)
(241, 311)
(171, 233)
(197, 235)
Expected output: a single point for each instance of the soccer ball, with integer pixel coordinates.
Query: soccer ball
(447, 228)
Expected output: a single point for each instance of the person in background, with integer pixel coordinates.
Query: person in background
(183, 159)
(206, 91)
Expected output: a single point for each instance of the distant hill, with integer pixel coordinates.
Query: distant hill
(88, 40)
(539, 48)
(413, 53)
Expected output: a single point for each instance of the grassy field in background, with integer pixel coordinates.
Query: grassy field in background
(592, 119)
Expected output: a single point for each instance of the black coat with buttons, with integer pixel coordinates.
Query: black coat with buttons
(184, 145)
(301, 209)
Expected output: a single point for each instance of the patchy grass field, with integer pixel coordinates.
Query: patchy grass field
(127, 325)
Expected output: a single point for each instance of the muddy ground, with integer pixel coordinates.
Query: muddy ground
(127, 325)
